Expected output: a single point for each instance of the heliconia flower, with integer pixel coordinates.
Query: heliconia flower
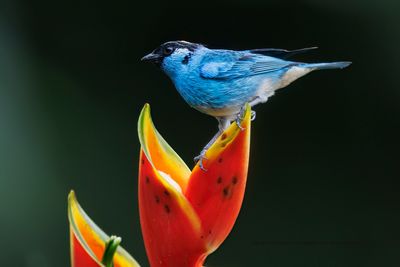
(90, 246)
(186, 215)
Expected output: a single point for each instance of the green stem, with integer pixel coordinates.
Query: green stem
(111, 247)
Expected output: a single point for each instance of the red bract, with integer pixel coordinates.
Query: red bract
(186, 215)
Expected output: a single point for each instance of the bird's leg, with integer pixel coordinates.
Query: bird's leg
(239, 118)
(223, 124)
(202, 154)
(240, 115)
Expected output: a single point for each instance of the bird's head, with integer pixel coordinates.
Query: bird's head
(173, 57)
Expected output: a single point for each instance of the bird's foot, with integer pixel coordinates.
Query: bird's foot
(253, 115)
(239, 123)
(240, 117)
(199, 159)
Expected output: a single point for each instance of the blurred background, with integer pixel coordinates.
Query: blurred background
(323, 185)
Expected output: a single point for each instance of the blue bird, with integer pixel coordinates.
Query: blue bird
(219, 82)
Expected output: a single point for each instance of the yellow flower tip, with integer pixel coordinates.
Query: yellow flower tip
(146, 110)
(144, 118)
(71, 196)
(72, 201)
(145, 113)
(246, 116)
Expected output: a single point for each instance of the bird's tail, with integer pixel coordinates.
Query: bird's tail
(330, 65)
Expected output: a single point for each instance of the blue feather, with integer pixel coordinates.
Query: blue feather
(326, 66)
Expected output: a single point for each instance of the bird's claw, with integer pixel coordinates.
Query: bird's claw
(240, 117)
(199, 159)
(253, 115)
(239, 123)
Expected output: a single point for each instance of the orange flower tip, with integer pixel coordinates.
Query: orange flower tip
(145, 115)
(110, 249)
(240, 125)
(71, 199)
(71, 194)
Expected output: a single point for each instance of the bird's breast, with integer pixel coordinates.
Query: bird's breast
(219, 97)
(228, 111)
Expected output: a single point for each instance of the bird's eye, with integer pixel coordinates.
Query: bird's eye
(168, 50)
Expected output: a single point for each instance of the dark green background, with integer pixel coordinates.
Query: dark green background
(323, 185)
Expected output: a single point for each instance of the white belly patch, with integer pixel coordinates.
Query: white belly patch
(266, 89)
(221, 112)
(293, 74)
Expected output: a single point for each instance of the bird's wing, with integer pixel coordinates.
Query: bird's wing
(238, 65)
(281, 53)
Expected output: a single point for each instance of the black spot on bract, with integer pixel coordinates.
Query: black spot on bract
(157, 199)
(219, 180)
(234, 180)
(147, 179)
(167, 209)
(220, 160)
(142, 161)
(226, 191)
(166, 193)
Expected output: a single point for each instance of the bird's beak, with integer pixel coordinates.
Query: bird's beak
(152, 58)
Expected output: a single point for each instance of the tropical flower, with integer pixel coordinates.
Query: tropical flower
(185, 215)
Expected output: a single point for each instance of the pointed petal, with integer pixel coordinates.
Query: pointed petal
(157, 150)
(88, 240)
(217, 193)
(170, 227)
